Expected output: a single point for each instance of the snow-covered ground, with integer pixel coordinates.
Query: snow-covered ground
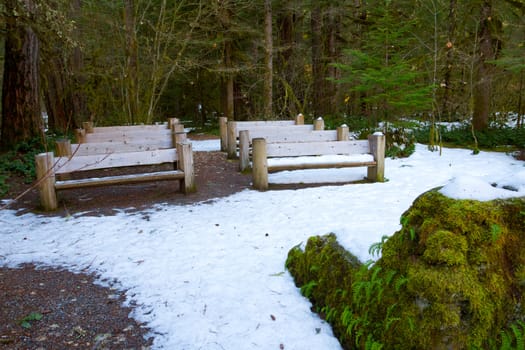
(212, 276)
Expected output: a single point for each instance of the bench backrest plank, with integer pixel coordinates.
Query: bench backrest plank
(82, 149)
(138, 136)
(275, 128)
(299, 136)
(130, 128)
(112, 160)
(295, 149)
(261, 123)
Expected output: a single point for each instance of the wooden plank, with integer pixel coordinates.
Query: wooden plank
(296, 149)
(275, 128)
(130, 128)
(304, 136)
(261, 123)
(127, 137)
(120, 179)
(319, 165)
(91, 148)
(112, 160)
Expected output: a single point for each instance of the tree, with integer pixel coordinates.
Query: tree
(382, 71)
(21, 113)
(268, 60)
(487, 51)
(62, 80)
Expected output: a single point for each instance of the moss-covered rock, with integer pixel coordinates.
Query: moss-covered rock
(452, 278)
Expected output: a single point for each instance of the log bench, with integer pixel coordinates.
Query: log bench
(48, 167)
(268, 127)
(272, 157)
(246, 138)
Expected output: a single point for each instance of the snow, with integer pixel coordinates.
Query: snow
(212, 275)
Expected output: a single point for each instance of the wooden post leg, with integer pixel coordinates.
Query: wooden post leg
(185, 163)
(299, 119)
(260, 164)
(223, 129)
(63, 148)
(80, 135)
(244, 150)
(178, 135)
(232, 140)
(377, 148)
(88, 126)
(319, 124)
(172, 122)
(343, 133)
(45, 176)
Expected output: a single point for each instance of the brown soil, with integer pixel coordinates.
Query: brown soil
(75, 312)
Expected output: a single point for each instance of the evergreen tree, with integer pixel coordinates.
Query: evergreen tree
(383, 71)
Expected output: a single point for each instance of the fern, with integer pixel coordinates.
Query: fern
(346, 316)
(517, 330)
(376, 248)
(307, 289)
(400, 282)
(517, 337)
(412, 234)
(331, 315)
(371, 344)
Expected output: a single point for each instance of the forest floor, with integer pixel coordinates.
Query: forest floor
(51, 308)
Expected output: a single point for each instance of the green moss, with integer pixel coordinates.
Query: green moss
(452, 277)
(444, 247)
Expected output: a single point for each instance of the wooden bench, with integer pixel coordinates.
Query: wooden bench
(48, 167)
(234, 129)
(277, 136)
(223, 126)
(271, 157)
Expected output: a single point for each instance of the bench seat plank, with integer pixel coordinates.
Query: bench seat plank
(120, 179)
(313, 162)
(112, 160)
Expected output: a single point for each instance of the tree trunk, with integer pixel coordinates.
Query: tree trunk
(63, 83)
(79, 101)
(58, 105)
(228, 82)
(450, 59)
(21, 113)
(287, 44)
(331, 93)
(316, 26)
(131, 79)
(268, 58)
(483, 88)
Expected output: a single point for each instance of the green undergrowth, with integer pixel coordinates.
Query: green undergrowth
(453, 277)
(495, 138)
(20, 162)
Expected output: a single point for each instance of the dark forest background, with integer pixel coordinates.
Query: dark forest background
(365, 61)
